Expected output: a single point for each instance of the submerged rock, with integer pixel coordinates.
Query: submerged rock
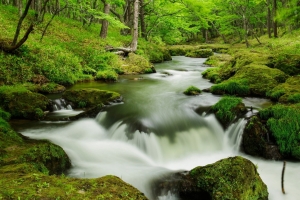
(231, 178)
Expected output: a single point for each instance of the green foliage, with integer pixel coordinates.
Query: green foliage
(284, 124)
(227, 108)
(212, 74)
(192, 90)
(232, 87)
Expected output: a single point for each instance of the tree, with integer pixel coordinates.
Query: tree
(104, 27)
(135, 35)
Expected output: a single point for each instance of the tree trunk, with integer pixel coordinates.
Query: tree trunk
(269, 22)
(275, 21)
(142, 18)
(104, 27)
(135, 36)
(246, 30)
(17, 33)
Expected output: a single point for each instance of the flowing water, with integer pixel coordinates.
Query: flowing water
(158, 130)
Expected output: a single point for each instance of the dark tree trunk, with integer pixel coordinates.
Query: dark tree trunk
(142, 19)
(275, 21)
(104, 27)
(269, 22)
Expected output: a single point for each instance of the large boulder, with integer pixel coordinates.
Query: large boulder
(253, 79)
(22, 103)
(234, 178)
(89, 97)
(257, 141)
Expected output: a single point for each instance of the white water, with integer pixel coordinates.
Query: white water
(178, 138)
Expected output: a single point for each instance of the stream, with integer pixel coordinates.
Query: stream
(156, 131)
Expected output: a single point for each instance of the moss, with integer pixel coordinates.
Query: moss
(228, 108)
(50, 88)
(288, 63)
(24, 181)
(258, 78)
(288, 92)
(284, 124)
(234, 178)
(200, 53)
(192, 90)
(4, 115)
(136, 64)
(89, 97)
(18, 102)
(106, 75)
(212, 74)
(218, 60)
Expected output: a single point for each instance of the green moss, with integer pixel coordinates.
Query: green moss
(288, 63)
(228, 108)
(107, 75)
(288, 92)
(136, 64)
(192, 90)
(4, 115)
(218, 60)
(200, 53)
(252, 79)
(212, 74)
(18, 102)
(234, 178)
(232, 87)
(89, 97)
(284, 124)
(49, 88)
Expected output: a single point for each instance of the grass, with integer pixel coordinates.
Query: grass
(284, 123)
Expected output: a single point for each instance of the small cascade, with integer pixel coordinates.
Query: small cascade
(234, 135)
(60, 104)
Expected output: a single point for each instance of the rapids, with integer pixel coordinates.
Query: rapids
(158, 130)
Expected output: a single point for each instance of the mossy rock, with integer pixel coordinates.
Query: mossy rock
(254, 80)
(88, 97)
(224, 67)
(192, 90)
(22, 103)
(200, 53)
(180, 50)
(51, 88)
(23, 181)
(283, 122)
(257, 141)
(137, 64)
(288, 92)
(290, 64)
(228, 108)
(234, 178)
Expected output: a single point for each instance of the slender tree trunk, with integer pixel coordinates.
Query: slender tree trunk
(17, 33)
(104, 27)
(275, 21)
(135, 36)
(269, 22)
(245, 30)
(142, 18)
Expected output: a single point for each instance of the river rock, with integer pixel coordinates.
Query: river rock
(257, 142)
(230, 178)
(89, 97)
(23, 103)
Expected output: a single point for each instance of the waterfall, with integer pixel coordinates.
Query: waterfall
(60, 104)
